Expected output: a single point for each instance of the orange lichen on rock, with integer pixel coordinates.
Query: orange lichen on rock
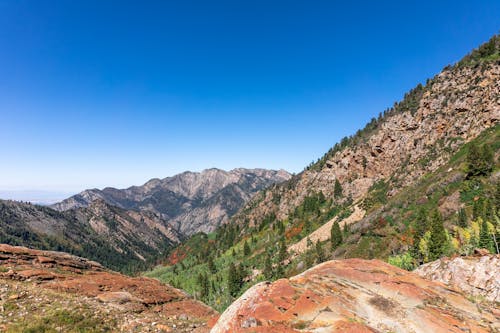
(354, 295)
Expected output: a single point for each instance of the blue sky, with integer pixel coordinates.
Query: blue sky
(113, 93)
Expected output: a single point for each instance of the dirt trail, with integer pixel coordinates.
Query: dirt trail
(323, 232)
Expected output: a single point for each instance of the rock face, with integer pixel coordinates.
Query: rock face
(356, 295)
(191, 201)
(136, 303)
(426, 129)
(477, 276)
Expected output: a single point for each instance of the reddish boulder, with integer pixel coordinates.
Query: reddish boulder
(354, 295)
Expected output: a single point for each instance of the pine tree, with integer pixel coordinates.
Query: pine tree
(478, 209)
(438, 240)
(246, 249)
(462, 218)
(283, 253)
(335, 235)
(485, 238)
(211, 265)
(337, 189)
(480, 161)
(320, 254)
(233, 280)
(204, 285)
(268, 268)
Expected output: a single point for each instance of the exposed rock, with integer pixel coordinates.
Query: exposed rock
(477, 276)
(355, 295)
(452, 110)
(190, 201)
(138, 300)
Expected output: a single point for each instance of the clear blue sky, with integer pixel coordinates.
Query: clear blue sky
(98, 93)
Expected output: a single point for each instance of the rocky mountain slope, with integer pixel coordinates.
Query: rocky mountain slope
(121, 239)
(44, 291)
(190, 201)
(415, 137)
(356, 295)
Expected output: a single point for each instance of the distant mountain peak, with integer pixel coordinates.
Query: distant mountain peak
(190, 201)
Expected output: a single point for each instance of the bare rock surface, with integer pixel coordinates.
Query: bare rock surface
(478, 276)
(454, 108)
(60, 280)
(356, 295)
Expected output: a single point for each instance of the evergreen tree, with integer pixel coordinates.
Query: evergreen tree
(335, 235)
(462, 218)
(438, 240)
(480, 161)
(337, 189)
(320, 254)
(211, 265)
(485, 238)
(497, 200)
(268, 268)
(233, 280)
(478, 209)
(204, 285)
(246, 249)
(283, 253)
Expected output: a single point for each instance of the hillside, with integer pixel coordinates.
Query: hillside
(417, 183)
(122, 240)
(191, 202)
(42, 291)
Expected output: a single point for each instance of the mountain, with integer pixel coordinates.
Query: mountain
(419, 182)
(121, 239)
(45, 291)
(191, 202)
(356, 295)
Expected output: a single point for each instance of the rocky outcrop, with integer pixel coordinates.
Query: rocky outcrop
(190, 201)
(138, 303)
(477, 276)
(402, 146)
(356, 295)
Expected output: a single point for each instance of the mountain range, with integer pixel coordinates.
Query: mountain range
(191, 202)
(128, 229)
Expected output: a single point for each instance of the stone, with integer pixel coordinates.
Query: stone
(354, 295)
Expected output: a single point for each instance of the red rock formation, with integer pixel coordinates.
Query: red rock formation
(355, 295)
(65, 273)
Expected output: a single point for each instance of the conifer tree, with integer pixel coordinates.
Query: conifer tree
(211, 265)
(246, 249)
(485, 238)
(233, 280)
(337, 189)
(462, 218)
(320, 254)
(335, 235)
(283, 253)
(268, 268)
(438, 239)
(204, 285)
(480, 161)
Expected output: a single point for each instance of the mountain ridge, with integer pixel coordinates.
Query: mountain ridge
(191, 201)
